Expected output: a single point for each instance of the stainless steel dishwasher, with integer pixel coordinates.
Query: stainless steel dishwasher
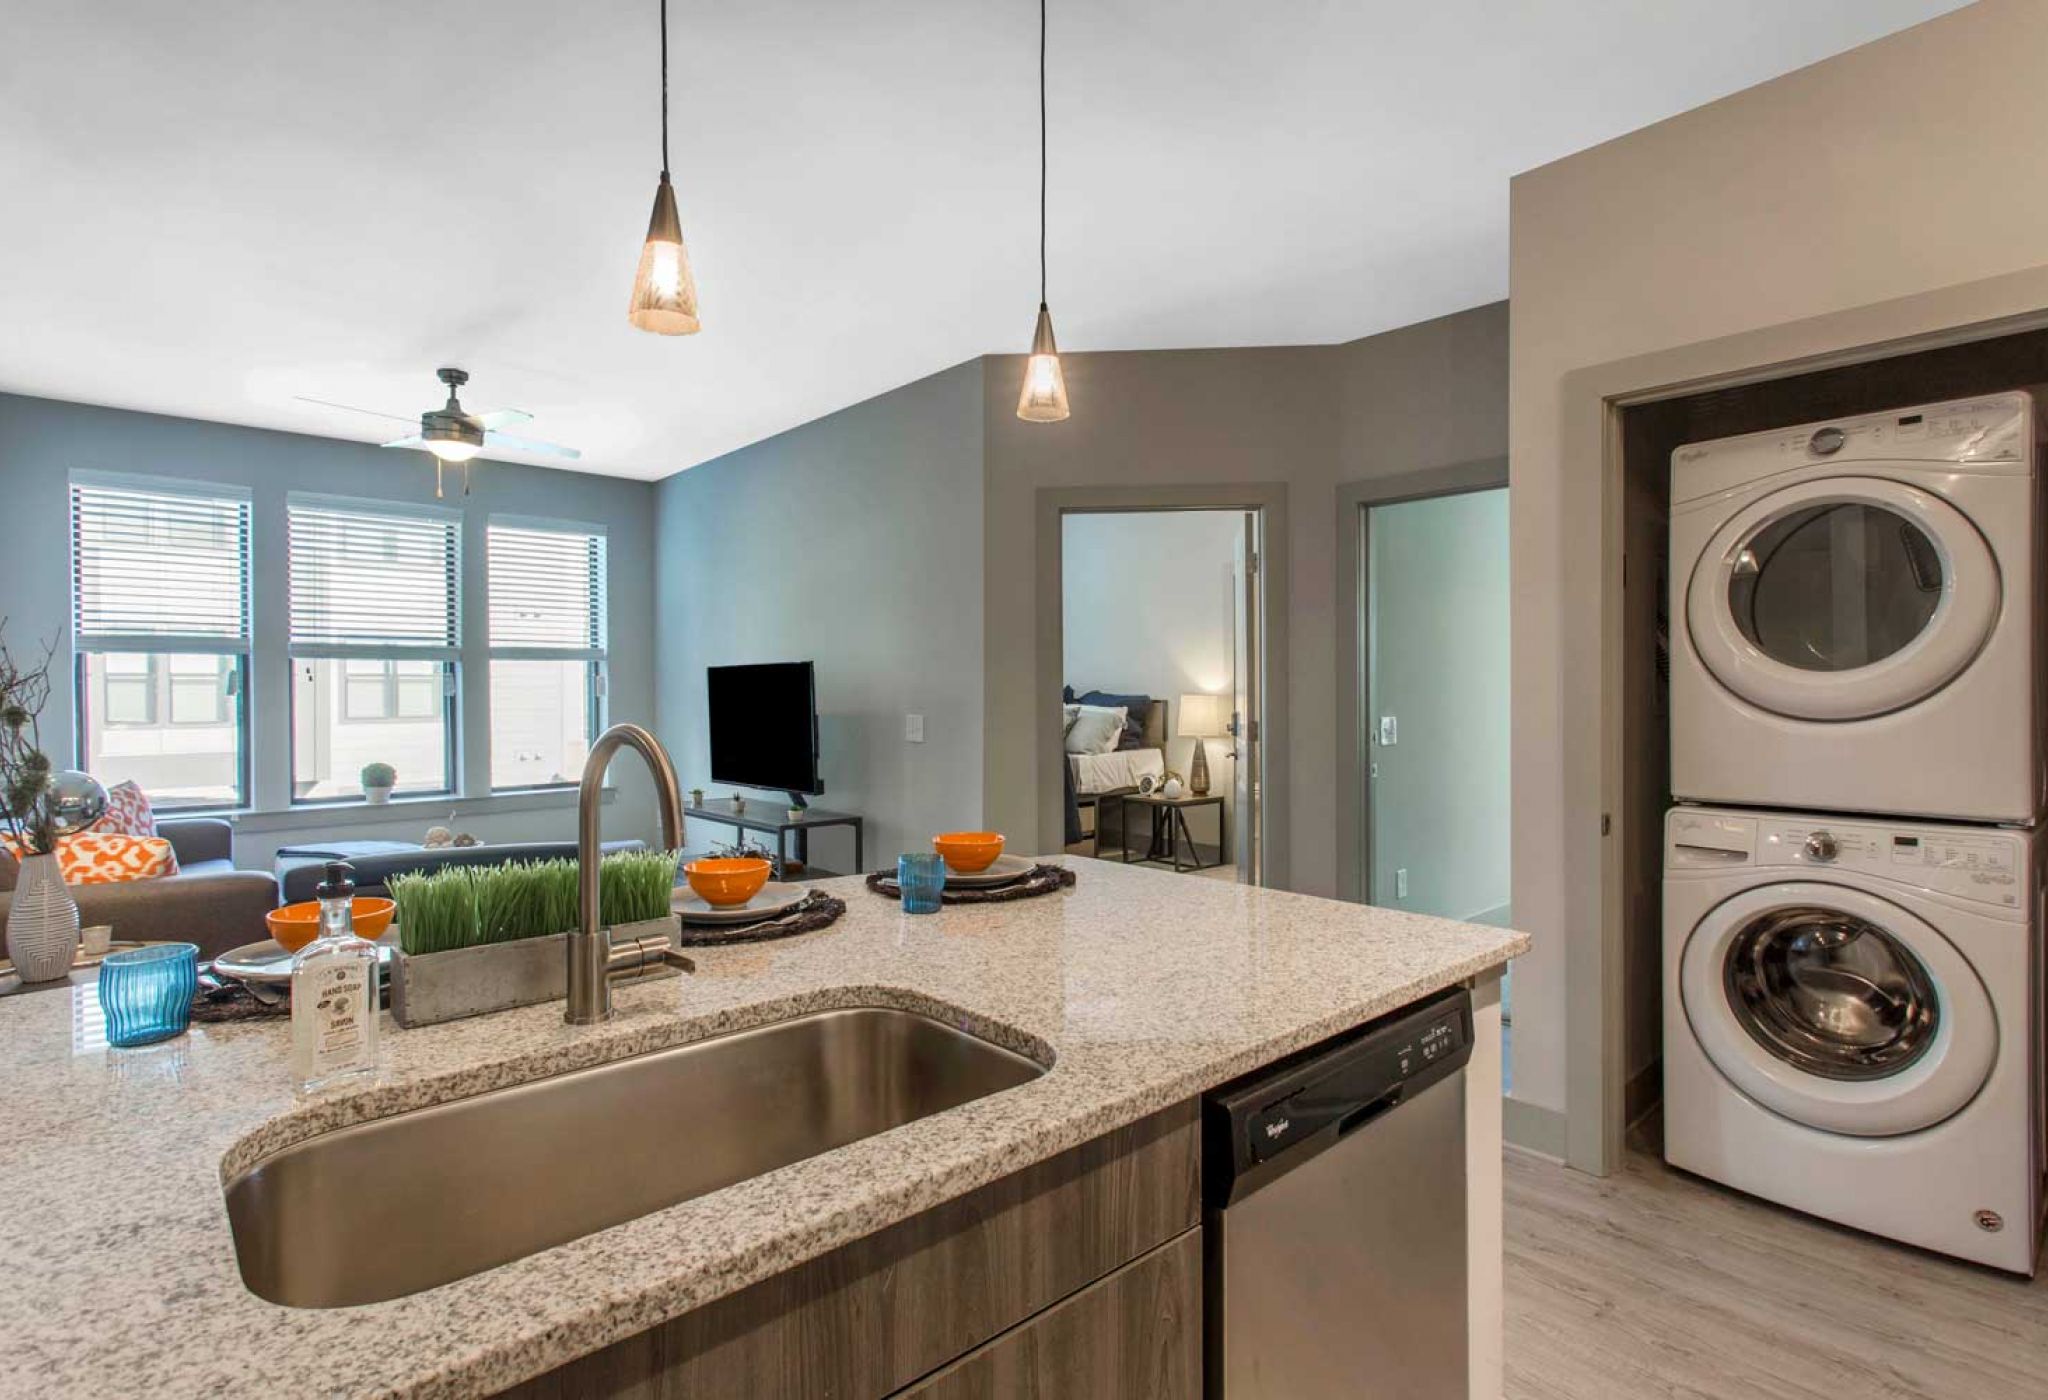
(1334, 1227)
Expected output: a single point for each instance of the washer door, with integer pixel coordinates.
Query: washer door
(1838, 1009)
(1841, 599)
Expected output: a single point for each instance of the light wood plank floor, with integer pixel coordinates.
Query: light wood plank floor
(1655, 1284)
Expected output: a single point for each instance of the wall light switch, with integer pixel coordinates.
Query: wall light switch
(913, 729)
(1390, 731)
(1401, 883)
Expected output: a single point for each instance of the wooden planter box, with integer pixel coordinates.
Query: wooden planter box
(429, 988)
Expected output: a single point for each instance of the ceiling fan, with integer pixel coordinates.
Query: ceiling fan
(454, 435)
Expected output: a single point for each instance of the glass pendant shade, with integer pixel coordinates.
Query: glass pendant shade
(1044, 399)
(664, 292)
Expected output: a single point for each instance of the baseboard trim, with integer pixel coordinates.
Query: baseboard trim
(1533, 1127)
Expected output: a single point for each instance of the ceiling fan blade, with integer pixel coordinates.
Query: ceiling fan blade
(503, 418)
(415, 440)
(351, 408)
(520, 444)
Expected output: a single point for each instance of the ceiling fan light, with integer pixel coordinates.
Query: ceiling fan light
(664, 293)
(1044, 397)
(452, 449)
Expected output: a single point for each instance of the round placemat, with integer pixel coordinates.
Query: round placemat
(1043, 879)
(817, 910)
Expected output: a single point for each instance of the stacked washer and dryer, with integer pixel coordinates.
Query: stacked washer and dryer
(1853, 877)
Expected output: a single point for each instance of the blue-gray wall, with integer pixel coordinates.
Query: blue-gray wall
(42, 441)
(855, 542)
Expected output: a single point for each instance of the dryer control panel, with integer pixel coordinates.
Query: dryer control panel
(1991, 434)
(1985, 866)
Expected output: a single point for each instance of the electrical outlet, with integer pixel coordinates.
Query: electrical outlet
(1390, 731)
(1401, 883)
(913, 729)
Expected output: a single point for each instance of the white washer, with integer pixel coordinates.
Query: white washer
(1852, 615)
(1852, 1023)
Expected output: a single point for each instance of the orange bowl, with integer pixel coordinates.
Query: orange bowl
(724, 883)
(296, 925)
(969, 851)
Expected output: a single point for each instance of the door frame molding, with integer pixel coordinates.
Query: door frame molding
(1354, 499)
(1269, 499)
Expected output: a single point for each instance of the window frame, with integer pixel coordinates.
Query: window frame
(88, 640)
(595, 654)
(446, 652)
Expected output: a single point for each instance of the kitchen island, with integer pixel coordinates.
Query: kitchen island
(1137, 989)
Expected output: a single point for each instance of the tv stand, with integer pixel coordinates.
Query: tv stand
(768, 820)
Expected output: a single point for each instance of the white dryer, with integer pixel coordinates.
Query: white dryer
(1852, 1023)
(1853, 609)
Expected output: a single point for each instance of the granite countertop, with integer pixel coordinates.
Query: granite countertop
(1143, 988)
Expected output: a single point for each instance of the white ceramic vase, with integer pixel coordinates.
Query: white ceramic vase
(42, 923)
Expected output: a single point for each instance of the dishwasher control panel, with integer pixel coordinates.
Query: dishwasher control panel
(1319, 1096)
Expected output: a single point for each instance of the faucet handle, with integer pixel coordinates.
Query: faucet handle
(638, 955)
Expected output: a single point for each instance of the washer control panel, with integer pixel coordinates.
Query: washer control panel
(1989, 867)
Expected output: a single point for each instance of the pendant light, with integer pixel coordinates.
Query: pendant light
(1044, 398)
(664, 293)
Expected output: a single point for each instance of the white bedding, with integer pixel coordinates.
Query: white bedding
(1106, 772)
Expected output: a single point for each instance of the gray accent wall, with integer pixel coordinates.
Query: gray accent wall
(1301, 421)
(855, 542)
(43, 441)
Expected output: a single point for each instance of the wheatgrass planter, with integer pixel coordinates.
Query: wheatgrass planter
(475, 939)
(429, 988)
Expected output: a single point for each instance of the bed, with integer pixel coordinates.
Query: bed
(1090, 777)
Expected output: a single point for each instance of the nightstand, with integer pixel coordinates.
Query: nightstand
(1176, 828)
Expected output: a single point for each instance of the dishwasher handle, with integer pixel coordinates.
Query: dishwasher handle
(1265, 1124)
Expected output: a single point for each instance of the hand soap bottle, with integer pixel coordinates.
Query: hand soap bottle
(334, 993)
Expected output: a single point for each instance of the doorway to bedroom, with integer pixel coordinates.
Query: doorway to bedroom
(1161, 657)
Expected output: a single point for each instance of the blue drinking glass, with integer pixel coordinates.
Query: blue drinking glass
(146, 993)
(922, 879)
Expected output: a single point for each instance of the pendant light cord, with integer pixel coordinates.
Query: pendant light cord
(1041, 151)
(664, 89)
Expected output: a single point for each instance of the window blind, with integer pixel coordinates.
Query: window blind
(547, 590)
(153, 568)
(367, 580)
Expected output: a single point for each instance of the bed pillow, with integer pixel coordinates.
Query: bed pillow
(1134, 708)
(1095, 730)
(1068, 714)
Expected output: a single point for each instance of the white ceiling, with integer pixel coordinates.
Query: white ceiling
(210, 208)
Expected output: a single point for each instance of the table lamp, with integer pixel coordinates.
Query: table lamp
(1201, 717)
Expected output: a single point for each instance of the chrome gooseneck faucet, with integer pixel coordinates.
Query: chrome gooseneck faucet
(594, 960)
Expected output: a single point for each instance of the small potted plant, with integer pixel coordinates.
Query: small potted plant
(378, 780)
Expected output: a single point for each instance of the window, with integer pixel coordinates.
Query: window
(160, 632)
(547, 585)
(375, 624)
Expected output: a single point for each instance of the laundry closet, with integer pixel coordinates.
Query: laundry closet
(1835, 779)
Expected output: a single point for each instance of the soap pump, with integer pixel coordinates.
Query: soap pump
(334, 993)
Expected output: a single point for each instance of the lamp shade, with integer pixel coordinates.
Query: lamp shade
(664, 293)
(1202, 717)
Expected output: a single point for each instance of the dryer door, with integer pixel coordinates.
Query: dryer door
(1837, 1009)
(1843, 598)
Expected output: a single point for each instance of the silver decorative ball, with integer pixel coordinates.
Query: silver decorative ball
(74, 800)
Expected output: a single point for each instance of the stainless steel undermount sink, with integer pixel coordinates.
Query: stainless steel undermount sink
(390, 1207)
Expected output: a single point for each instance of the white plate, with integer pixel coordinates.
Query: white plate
(267, 961)
(1002, 870)
(772, 899)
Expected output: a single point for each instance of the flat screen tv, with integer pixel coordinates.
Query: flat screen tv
(764, 726)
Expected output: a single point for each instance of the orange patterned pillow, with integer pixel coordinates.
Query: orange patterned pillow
(109, 858)
(128, 811)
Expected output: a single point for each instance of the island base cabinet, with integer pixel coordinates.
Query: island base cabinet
(1008, 1290)
(1136, 1335)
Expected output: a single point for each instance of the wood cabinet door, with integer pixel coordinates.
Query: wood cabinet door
(1135, 1335)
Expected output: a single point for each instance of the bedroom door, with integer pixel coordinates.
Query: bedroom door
(1247, 661)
